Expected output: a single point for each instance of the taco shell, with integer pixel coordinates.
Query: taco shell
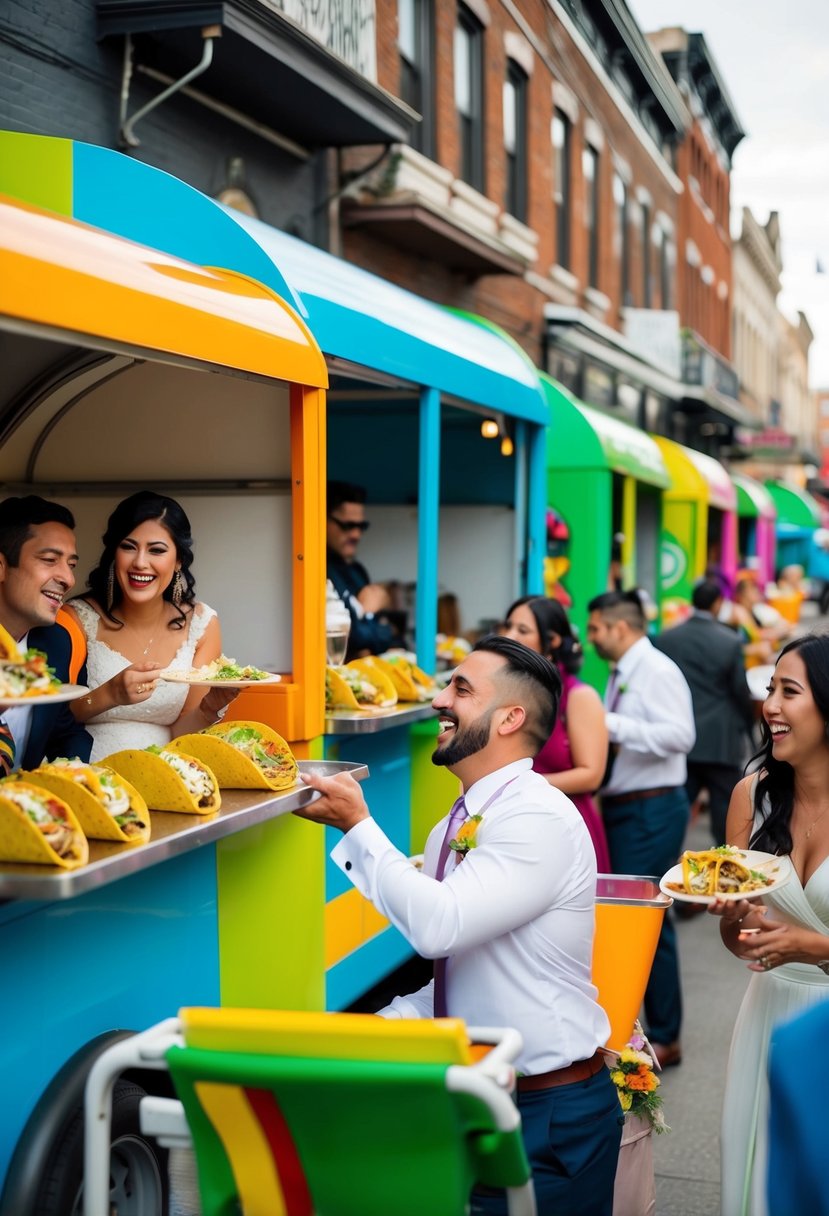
(9, 650)
(400, 674)
(379, 677)
(75, 783)
(243, 755)
(337, 693)
(22, 839)
(182, 784)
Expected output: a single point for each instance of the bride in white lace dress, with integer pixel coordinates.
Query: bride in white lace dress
(783, 809)
(140, 616)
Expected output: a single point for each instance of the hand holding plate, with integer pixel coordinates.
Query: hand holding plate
(134, 684)
(215, 701)
(342, 804)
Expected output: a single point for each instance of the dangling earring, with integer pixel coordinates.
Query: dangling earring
(111, 587)
(178, 588)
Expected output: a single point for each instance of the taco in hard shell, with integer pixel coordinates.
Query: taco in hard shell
(106, 806)
(168, 780)
(373, 675)
(243, 755)
(38, 827)
(356, 686)
(339, 693)
(412, 682)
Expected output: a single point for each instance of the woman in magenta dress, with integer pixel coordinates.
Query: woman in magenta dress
(574, 757)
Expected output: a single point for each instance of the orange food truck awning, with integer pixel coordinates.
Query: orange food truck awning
(61, 275)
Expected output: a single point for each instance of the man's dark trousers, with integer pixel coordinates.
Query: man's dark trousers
(719, 780)
(645, 836)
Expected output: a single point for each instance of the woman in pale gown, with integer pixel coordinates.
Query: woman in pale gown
(141, 616)
(784, 809)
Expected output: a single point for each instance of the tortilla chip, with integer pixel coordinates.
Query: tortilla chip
(376, 675)
(21, 839)
(337, 693)
(90, 810)
(233, 768)
(160, 785)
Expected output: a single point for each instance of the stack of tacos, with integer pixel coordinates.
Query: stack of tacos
(168, 780)
(358, 685)
(105, 804)
(412, 682)
(243, 755)
(38, 827)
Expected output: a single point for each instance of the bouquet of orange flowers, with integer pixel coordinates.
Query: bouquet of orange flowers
(636, 1082)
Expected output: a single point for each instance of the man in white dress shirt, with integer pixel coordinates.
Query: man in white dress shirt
(513, 917)
(650, 721)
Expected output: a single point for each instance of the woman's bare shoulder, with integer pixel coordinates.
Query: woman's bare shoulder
(584, 694)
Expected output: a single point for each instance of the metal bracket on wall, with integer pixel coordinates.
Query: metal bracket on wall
(127, 138)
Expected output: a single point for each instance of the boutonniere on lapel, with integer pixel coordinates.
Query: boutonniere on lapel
(467, 837)
(622, 689)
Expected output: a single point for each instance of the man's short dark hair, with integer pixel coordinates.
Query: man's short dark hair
(705, 595)
(19, 515)
(621, 606)
(339, 492)
(539, 681)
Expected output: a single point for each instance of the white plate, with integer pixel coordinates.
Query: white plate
(190, 677)
(777, 868)
(66, 692)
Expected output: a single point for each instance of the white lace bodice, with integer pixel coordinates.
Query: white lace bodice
(150, 721)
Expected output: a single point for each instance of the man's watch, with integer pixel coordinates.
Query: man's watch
(824, 965)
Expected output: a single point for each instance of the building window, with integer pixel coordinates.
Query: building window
(515, 139)
(415, 40)
(590, 168)
(665, 267)
(469, 95)
(620, 201)
(646, 256)
(562, 140)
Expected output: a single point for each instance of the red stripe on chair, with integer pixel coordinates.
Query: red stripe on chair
(288, 1165)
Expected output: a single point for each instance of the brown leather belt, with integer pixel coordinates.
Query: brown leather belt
(580, 1071)
(638, 795)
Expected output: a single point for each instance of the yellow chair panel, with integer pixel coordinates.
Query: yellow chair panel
(246, 1145)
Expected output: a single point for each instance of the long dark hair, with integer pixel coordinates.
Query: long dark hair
(551, 618)
(138, 509)
(774, 793)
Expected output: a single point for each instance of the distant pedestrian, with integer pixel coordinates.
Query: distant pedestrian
(650, 721)
(710, 657)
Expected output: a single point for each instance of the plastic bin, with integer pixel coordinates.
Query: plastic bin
(629, 912)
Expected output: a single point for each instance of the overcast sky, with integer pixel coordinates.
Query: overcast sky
(774, 61)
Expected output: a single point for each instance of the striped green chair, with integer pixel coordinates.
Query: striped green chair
(302, 1114)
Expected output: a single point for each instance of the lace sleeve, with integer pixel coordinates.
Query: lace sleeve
(202, 616)
(88, 618)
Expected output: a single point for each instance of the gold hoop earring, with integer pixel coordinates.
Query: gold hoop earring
(178, 588)
(111, 587)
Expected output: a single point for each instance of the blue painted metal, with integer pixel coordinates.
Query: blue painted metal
(122, 957)
(537, 510)
(365, 968)
(520, 478)
(428, 506)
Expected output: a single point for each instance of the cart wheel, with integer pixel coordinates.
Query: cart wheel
(138, 1179)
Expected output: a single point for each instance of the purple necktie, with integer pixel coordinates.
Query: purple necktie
(456, 818)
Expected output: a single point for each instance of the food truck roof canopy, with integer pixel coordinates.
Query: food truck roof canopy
(367, 321)
(583, 438)
(67, 277)
(696, 476)
(753, 499)
(796, 508)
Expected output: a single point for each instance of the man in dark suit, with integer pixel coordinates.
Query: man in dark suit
(710, 657)
(37, 570)
(368, 603)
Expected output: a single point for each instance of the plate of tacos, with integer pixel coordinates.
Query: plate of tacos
(725, 873)
(25, 675)
(221, 673)
(38, 827)
(242, 755)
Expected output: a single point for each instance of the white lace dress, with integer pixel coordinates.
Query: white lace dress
(772, 997)
(150, 721)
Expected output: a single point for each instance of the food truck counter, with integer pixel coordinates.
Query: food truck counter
(173, 834)
(359, 722)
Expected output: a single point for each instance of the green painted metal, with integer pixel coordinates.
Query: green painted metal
(38, 169)
(372, 1137)
(434, 789)
(795, 507)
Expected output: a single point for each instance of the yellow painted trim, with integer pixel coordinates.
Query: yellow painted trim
(629, 531)
(254, 1170)
(686, 479)
(350, 922)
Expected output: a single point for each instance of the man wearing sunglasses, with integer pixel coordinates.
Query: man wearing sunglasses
(371, 632)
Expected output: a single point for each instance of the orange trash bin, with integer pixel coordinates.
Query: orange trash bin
(629, 912)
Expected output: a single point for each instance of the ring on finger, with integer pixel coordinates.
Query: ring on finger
(140, 687)
(764, 962)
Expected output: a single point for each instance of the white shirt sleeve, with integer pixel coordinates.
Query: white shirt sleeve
(514, 875)
(420, 1004)
(664, 724)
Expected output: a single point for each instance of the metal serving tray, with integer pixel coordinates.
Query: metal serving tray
(172, 834)
(360, 722)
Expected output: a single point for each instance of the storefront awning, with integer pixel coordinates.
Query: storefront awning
(696, 476)
(584, 438)
(753, 499)
(796, 508)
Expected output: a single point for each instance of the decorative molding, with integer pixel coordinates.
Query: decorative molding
(692, 255)
(594, 135)
(644, 196)
(565, 278)
(565, 99)
(480, 9)
(623, 169)
(520, 51)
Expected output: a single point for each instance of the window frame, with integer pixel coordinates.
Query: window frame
(591, 156)
(471, 125)
(419, 74)
(517, 160)
(562, 186)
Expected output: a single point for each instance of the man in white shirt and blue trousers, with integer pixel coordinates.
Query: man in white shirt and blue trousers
(509, 922)
(650, 721)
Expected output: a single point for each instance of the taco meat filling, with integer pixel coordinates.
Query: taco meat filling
(104, 785)
(45, 813)
(264, 754)
(197, 779)
(719, 871)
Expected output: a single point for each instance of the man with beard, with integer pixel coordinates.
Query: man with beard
(508, 916)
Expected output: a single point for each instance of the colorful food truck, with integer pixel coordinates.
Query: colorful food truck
(756, 528)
